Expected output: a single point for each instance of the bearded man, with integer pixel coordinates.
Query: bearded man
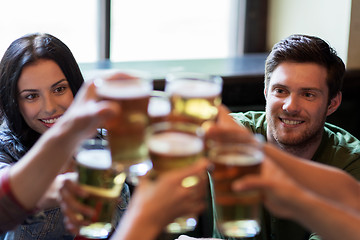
(303, 81)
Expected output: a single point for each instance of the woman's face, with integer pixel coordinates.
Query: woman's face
(44, 94)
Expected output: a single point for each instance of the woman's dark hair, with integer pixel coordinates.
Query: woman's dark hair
(23, 52)
(307, 49)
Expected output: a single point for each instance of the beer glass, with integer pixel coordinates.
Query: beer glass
(173, 146)
(103, 184)
(126, 133)
(194, 97)
(159, 107)
(238, 213)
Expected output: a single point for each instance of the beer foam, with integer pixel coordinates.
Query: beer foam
(176, 144)
(158, 107)
(124, 89)
(96, 159)
(194, 89)
(238, 160)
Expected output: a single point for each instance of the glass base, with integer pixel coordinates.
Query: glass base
(240, 228)
(182, 225)
(137, 170)
(97, 230)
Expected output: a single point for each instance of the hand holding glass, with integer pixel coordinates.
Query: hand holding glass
(126, 133)
(238, 213)
(173, 146)
(103, 184)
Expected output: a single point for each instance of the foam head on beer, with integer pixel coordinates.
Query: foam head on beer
(238, 212)
(126, 131)
(194, 97)
(170, 150)
(159, 106)
(102, 184)
(123, 89)
(173, 146)
(96, 159)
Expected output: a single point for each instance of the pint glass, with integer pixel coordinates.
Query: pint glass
(194, 97)
(238, 213)
(126, 133)
(173, 146)
(159, 107)
(103, 184)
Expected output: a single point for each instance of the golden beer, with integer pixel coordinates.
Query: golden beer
(195, 99)
(238, 213)
(104, 185)
(126, 133)
(170, 149)
(174, 150)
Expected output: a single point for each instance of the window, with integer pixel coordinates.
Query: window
(73, 22)
(176, 29)
(140, 29)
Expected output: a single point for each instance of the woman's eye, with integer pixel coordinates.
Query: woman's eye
(59, 89)
(31, 96)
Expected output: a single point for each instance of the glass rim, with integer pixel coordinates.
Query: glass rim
(231, 147)
(159, 93)
(185, 127)
(199, 76)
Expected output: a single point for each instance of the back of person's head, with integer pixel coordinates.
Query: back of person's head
(307, 49)
(23, 52)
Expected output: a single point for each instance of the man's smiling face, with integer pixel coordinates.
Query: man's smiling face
(296, 103)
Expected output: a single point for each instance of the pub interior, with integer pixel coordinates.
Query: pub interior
(254, 26)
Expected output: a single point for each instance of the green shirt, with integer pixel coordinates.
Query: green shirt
(338, 148)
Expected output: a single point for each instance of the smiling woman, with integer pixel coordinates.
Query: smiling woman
(44, 94)
(21, 60)
(39, 78)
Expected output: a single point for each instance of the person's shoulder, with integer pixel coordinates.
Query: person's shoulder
(253, 120)
(340, 144)
(250, 116)
(339, 149)
(10, 148)
(340, 136)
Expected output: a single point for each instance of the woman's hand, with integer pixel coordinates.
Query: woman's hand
(51, 198)
(87, 113)
(75, 213)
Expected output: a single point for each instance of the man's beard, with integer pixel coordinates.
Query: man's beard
(305, 139)
(300, 142)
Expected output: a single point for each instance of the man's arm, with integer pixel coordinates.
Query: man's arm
(329, 220)
(329, 182)
(287, 198)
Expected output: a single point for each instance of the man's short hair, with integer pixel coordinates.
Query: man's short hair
(307, 49)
